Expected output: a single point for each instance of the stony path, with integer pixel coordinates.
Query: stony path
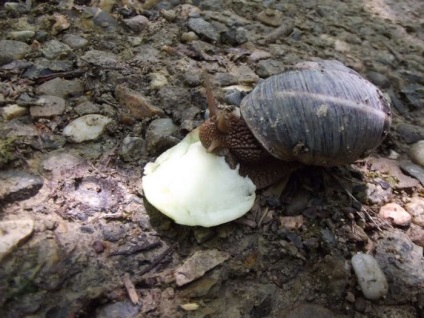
(92, 91)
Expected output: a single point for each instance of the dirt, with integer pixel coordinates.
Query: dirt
(99, 249)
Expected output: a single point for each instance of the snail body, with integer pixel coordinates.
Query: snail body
(316, 113)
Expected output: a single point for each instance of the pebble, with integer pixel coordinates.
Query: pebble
(44, 67)
(414, 170)
(291, 222)
(190, 306)
(54, 49)
(416, 153)
(61, 24)
(61, 87)
(99, 18)
(58, 163)
(86, 108)
(101, 58)
(403, 264)
(266, 68)
(416, 208)
(159, 135)
(24, 36)
(137, 23)
(416, 234)
(98, 247)
(203, 29)
(113, 231)
(88, 127)
(235, 36)
(75, 41)
(10, 112)
(258, 55)
(270, 17)
(48, 106)
(370, 277)
(198, 264)
(17, 185)
(11, 50)
(189, 36)
(132, 148)
(394, 213)
(13, 233)
(136, 103)
(157, 80)
(376, 194)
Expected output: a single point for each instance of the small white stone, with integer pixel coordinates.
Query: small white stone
(13, 111)
(416, 208)
(394, 213)
(416, 153)
(158, 80)
(88, 127)
(370, 277)
(13, 233)
(190, 306)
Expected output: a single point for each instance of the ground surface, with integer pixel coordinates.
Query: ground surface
(85, 243)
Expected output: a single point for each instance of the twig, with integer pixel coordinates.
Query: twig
(70, 74)
(158, 259)
(132, 293)
(137, 249)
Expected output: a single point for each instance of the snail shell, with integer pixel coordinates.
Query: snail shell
(318, 113)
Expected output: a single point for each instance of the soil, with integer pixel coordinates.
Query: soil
(97, 248)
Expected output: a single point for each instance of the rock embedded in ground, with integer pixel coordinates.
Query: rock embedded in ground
(416, 234)
(403, 264)
(416, 208)
(160, 135)
(88, 127)
(132, 148)
(414, 170)
(54, 49)
(12, 50)
(48, 106)
(270, 17)
(61, 87)
(395, 214)
(75, 41)
(203, 29)
(370, 277)
(137, 23)
(266, 68)
(136, 103)
(59, 163)
(86, 108)
(12, 233)
(101, 58)
(18, 185)
(198, 264)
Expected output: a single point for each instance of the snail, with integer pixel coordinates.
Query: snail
(316, 113)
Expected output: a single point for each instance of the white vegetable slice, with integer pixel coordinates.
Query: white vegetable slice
(194, 187)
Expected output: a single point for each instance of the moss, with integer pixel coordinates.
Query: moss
(7, 150)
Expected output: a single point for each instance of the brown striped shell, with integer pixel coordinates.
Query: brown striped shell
(318, 113)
